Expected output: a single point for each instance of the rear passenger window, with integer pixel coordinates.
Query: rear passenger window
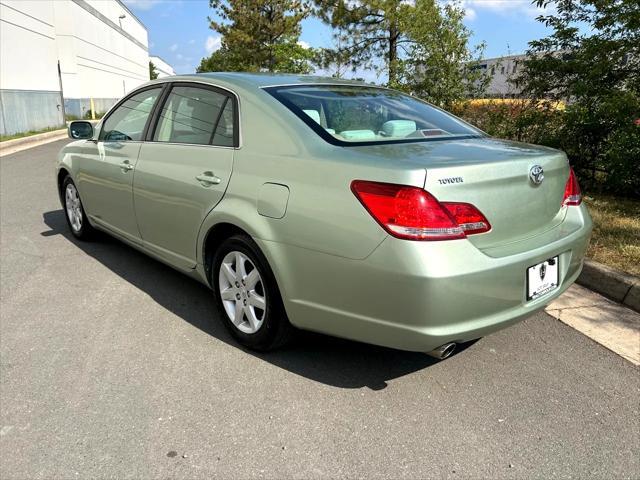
(197, 116)
(224, 131)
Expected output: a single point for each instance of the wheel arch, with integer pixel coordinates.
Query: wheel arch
(232, 216)
(63, 172)
(218, 233)
(214, 237)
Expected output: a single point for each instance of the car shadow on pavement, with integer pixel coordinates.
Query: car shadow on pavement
(332, 361)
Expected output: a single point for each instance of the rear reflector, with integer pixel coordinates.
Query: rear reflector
(572, 194)
(414, 214)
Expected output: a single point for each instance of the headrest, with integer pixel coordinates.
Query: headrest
(398, 128)
(358, 135)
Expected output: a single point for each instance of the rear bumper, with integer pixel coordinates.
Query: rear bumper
(418, 295)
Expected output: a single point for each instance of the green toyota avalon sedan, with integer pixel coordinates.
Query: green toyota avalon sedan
(331, 206)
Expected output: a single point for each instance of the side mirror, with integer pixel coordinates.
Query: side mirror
(80, 130)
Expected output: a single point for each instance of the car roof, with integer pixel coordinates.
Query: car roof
(259, 80)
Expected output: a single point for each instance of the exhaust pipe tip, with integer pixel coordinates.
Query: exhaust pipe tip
(443, 351)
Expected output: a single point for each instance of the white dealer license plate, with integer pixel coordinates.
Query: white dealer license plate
(542, 278)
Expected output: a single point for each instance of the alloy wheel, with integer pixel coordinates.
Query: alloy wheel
(74, 207)
(242, 292)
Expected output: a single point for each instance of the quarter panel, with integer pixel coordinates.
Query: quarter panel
(322, 213)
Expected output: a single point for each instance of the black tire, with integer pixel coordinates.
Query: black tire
(275, 330)
(86, 231)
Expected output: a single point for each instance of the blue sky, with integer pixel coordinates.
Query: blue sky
(179, 30)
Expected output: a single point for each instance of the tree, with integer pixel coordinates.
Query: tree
(153, 73)
(259, 35)
(421, 46)
(367, 30)
(578, 63)
(437, 64)
(225, 60)
(592, 60)
(290, 58)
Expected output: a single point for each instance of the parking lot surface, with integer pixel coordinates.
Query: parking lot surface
(114, 365)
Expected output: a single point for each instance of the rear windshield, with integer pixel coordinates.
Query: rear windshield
(360, 115)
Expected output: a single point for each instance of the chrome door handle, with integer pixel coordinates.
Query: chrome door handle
(208, 178)
(126, 166)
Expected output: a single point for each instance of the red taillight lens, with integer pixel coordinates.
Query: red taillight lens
(470, 219)
(414, 214)
(572, 194)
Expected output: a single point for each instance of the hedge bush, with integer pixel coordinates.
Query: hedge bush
(601, 139)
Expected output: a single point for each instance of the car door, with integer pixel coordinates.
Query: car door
(183, 171)
(105, 177)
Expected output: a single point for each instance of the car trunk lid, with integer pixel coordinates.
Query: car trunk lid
(494, 176)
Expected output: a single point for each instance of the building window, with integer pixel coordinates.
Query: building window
(502, 70)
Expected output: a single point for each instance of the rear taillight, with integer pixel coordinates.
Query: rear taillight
(572, 194)
(414, 214)
(470, 219)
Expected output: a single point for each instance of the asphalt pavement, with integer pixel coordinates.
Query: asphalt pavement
(114, 365)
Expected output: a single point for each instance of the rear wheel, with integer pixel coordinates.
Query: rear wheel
(74, 211)
(247, 295)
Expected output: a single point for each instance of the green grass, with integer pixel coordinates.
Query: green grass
(616, 233)
(87, 116)
(4, 138)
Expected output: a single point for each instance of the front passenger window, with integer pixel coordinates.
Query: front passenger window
(197, 116)
(127, 121)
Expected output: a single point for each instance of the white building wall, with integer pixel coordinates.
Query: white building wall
(101, 46)
(28, 46)
(102, 56)
(162, 67)
(29, 84)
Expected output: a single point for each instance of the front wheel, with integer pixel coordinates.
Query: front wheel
(75, 215)
(247, 295)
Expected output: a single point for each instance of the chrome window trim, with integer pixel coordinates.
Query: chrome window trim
(131, 142)
(190, 145)
(333, 84)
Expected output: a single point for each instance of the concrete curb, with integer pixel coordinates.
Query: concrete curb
(611, 283)
(19, 142)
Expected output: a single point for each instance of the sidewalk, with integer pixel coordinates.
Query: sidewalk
(611, 324)
(614, 284)
(18, 144)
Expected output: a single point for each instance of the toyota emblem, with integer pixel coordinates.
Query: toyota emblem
(536, 174)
